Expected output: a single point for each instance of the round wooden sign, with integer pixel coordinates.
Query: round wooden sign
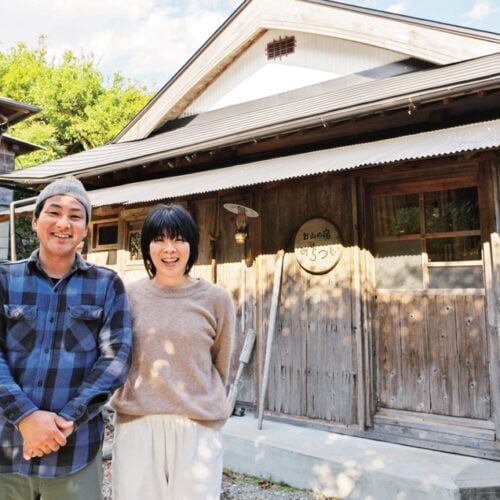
(318, 246)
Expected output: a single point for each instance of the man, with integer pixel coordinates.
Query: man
(65, 338)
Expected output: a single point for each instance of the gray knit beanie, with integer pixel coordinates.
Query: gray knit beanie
(69, 186)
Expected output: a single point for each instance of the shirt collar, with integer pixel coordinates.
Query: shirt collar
(79, 263)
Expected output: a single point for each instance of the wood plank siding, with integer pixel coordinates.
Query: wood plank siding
(432, 354)
(418, 365)
(313, 364)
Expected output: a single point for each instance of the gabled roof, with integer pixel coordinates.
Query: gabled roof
(426, 40)
(323, 103)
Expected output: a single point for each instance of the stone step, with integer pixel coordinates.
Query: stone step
(343, 466)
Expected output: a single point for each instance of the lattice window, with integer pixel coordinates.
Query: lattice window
(281, 47)
(427, 238)
(134, 241)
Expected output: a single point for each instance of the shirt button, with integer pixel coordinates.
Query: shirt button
(46, 351)
(39, 383)
(51, 320)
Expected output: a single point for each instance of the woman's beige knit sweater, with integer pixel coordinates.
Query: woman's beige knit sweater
(181, 353)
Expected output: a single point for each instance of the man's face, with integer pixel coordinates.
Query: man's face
(61, 226)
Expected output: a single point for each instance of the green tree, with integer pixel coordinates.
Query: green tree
(26, 240)
(79, 110)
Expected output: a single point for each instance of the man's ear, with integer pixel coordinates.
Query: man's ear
(34, 221)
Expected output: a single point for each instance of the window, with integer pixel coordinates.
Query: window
(105, 235)
(428, 239)
(134, 242)
(281, 47)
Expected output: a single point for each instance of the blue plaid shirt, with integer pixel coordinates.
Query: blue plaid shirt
(63, 348)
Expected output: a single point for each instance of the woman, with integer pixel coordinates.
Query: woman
(170, 411)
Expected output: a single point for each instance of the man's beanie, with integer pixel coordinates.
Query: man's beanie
(69, 186)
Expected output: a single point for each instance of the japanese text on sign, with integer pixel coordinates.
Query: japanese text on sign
(318, 246)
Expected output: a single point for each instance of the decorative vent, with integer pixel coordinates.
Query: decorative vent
(281, 47)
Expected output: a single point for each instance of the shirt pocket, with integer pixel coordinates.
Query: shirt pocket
(21, 326)
(82, 326)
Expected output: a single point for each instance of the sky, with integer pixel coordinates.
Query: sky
(147, 41)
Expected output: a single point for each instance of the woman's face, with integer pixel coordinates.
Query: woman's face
(170, 258)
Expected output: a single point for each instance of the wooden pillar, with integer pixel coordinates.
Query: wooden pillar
(357, 308)
(491, 260)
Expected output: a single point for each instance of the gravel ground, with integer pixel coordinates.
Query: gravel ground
(234, 486)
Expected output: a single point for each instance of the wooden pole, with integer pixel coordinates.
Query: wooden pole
(278, 269)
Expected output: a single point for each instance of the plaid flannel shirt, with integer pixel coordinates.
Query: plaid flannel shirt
(63, 348)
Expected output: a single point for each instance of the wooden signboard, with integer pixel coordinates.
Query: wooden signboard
(318, 246)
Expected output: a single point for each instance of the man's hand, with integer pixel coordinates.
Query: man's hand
(65, 426)
(43, 432)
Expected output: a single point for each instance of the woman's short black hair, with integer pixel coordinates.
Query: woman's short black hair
(171, 221)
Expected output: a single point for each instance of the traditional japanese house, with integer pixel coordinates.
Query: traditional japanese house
(365, 145)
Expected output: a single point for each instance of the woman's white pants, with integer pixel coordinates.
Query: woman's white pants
(160, 457)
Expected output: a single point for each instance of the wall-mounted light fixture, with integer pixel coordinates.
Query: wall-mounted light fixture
(242, 213)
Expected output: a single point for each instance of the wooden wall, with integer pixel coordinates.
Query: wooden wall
(313, 365)
(222, 261)
(433, 354)
(390, 363)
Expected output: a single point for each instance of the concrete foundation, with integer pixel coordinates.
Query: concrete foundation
(342, 466)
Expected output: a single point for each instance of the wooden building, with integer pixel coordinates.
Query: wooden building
(366, 146)
(11, 112)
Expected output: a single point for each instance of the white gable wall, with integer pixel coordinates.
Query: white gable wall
(432, 42)
(316, 59)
